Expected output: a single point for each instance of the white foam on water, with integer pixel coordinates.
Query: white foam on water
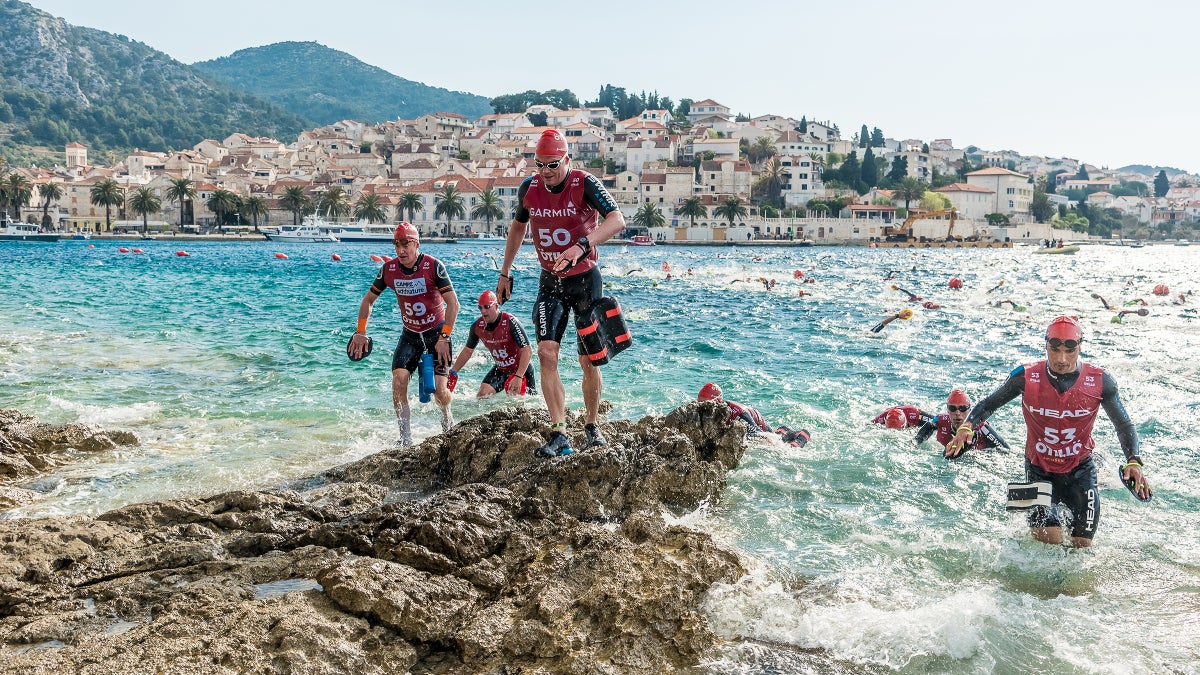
(109, 416)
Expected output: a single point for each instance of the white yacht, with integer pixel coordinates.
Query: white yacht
(14, 231)
(308, 231)
(361, 232)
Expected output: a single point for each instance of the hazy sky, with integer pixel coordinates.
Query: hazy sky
(1110, 83)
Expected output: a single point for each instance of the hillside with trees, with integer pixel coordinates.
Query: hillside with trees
(61, 83)
(325, 85)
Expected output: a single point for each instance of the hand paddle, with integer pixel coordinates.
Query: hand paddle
(365, 352)
(1132, 486)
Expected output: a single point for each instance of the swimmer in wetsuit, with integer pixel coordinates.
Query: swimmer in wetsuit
(755, 424)
(1060, 399)
(571, 213)
(504, 338)
(943, 425)
(429, 307)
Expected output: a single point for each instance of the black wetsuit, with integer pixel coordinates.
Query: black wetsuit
(559, 296)
(1077, 490)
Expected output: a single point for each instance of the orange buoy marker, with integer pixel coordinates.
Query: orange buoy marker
(123, 250)
(375, 258)
(182, 254)
(138, 250)
(337, 258)
(388, 258)
(281, 256)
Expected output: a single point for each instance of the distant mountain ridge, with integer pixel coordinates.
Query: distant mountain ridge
(61, 83)
(1147, 170)
(325, 85)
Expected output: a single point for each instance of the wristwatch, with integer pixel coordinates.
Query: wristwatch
(583, 244)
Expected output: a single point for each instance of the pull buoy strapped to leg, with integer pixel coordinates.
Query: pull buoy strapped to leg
(1025, 496)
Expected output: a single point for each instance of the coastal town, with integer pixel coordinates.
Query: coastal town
(703, 176)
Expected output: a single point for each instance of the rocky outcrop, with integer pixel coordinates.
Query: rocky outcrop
(462, 555)
(29, 448)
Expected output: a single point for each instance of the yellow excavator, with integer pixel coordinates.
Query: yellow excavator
(903, 232)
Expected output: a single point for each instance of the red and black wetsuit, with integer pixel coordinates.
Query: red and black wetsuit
(504, 339)
(419, 292)
(1060, 411)
(559, 216)
(913, 416)
(985, 435)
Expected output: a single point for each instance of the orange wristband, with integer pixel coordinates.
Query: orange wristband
(362, 326)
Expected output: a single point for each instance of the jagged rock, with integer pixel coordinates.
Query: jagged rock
(29, 447)
(505, 563)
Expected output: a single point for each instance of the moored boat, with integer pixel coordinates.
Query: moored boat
(641, 240)
(304, 233)
(13, 231)
(1058, 249)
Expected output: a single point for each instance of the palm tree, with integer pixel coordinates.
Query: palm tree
(181, 190)
(449, 203)
(108, 194)
(488, 207)
(255, 207)
(369, 209)
(909, 189)
(693, 207)
(334, 203)
(771, 178)
(51, 192)
(296, 201)
(145, 202)
(18, 191)
(648, 215)
(732, 209)
(764, 147)
(410, 202)
(222, 202)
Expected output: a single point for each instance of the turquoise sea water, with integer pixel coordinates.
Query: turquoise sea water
(229, 365)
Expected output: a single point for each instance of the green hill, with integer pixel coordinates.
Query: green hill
(61, 83)
(325, 85)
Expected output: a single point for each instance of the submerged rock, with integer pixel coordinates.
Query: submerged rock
(461, 555)
(29, 448)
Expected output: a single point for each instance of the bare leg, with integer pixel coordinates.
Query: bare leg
(400, 378)
(442, 396)
(552, 386)
(1048, 535)
(593, 384)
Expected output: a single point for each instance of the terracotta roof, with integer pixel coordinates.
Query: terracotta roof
(963, 187)
(996, 171)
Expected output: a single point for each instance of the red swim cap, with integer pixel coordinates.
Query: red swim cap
(487, 299)
(895, 418)
(709, 391)
(1065, 328)
(958, 397)
(406, 231)
(551, 143)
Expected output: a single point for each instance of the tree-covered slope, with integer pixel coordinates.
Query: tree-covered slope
(61, 83)
(325, 85)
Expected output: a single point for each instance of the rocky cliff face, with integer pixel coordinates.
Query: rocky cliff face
(462, 555)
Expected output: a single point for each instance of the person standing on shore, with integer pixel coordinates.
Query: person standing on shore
(571, 213)
(504, 338)
(1060, 398)
(429, 308)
